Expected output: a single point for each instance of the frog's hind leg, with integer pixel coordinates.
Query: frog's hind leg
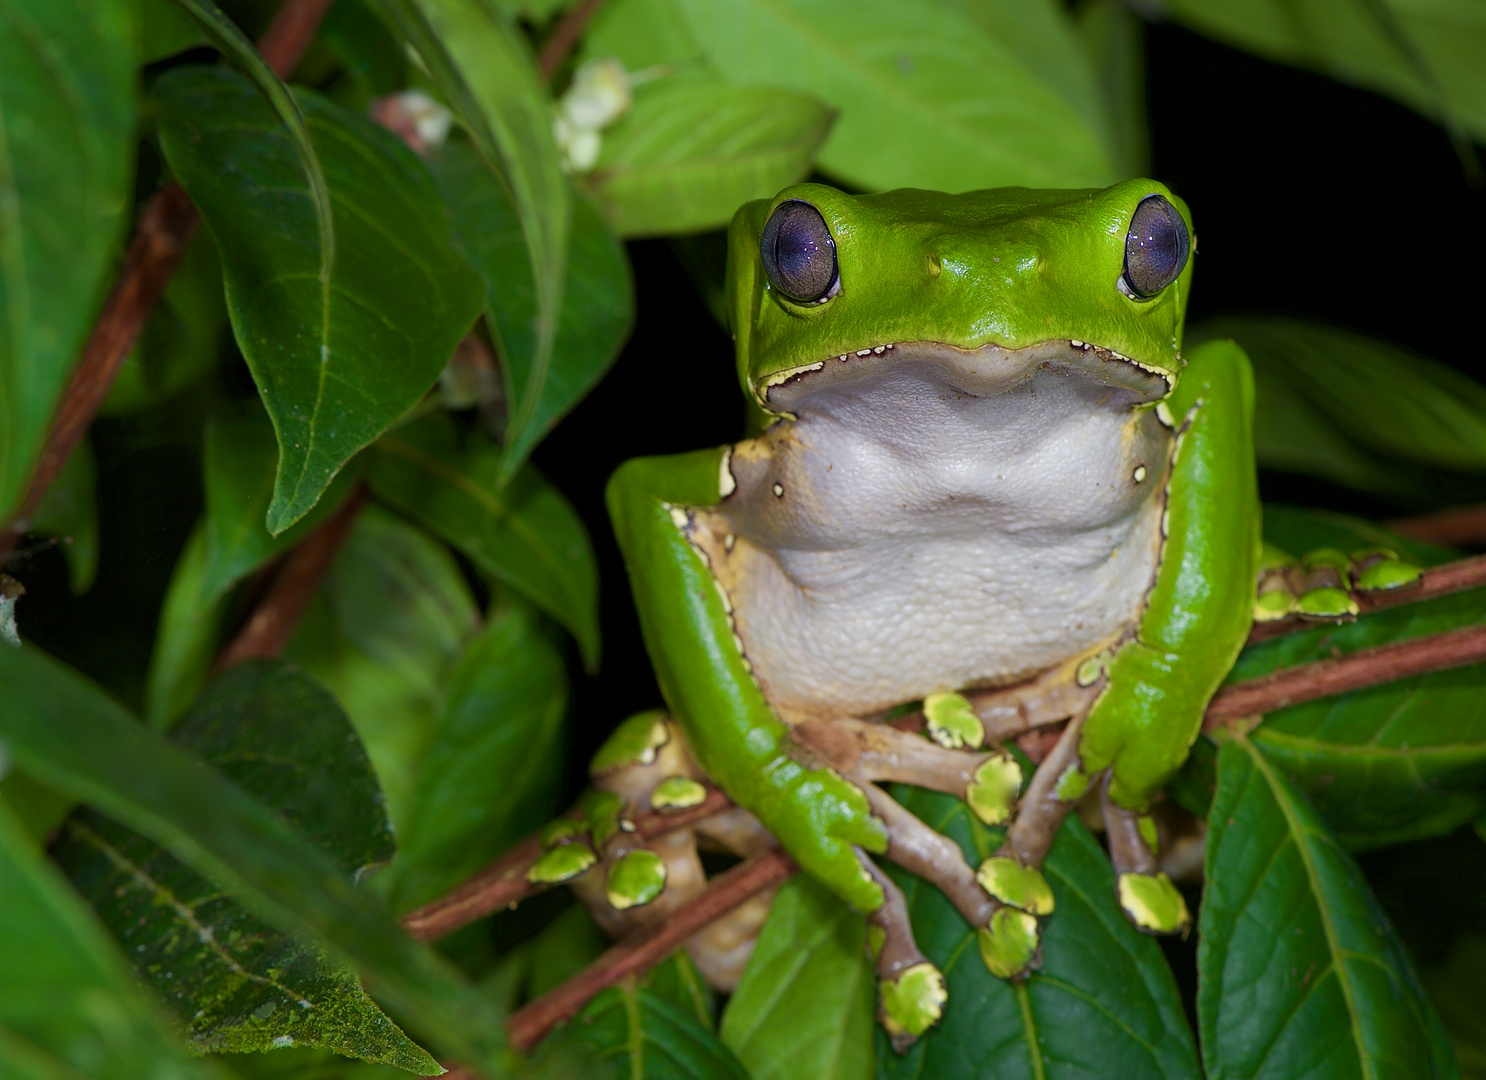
(1150, 899)
(910, 990)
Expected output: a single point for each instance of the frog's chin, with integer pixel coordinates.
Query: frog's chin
(984, 372)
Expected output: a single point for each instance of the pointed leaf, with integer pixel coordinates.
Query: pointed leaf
(69, 512)
(62, 728)
(69, 1005)
(481, 64)
(525, 534)
(493, 768)
(1300, 972)
(645, 1037)
(690, 152)
(927, 97)
(185, 638)
(804, 1005)
(66, 154)
(598, 294)
(335, 360)
(1103, 1003)
(235, 983)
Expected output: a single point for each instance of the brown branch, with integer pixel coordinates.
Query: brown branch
(160, 240)
(503, 883)
(1464, 526)
(1436, 581)
(531, 1023)
(272, 622)
(562, 39)
(1367, 667)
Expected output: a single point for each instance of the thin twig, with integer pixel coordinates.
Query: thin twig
(1367, 667)
(562, 39)
(272, 622)
(503, 883)
(531, 1023)
(1461, 526)
(160, 240)
(1436, 581)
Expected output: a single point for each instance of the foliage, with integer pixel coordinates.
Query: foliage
(196, 862)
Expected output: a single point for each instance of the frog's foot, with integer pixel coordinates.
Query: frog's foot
(1148, 897)
(1322, 585)
(910, 990)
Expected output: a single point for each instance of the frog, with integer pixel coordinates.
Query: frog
(983, 487)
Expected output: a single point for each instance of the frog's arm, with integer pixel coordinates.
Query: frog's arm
(816, 814)
(1199, 611)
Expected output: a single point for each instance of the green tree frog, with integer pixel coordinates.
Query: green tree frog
(985, 479)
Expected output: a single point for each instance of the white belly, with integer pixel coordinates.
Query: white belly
(927, 539)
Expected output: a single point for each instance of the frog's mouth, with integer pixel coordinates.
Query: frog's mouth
(988, 371)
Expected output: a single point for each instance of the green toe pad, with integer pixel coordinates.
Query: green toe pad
(1153, 903)
(1009, 944)
(1388, 574)
(1016, 885)
(677, 793)
(561, 864)
(1327, 603)
(636, 879)
(993, 790)
(952, 723)
(913, 1002)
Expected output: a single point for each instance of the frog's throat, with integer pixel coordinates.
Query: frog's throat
(984, 372)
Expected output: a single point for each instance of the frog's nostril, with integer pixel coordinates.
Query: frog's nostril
(934, 265)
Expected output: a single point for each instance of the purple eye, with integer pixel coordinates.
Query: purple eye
(798, 253)
(1156, 247)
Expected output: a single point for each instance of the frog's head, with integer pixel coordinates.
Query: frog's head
(994, 285)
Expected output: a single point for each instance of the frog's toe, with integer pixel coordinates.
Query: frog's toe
(912, 1003)
(635, 879)
(1153, 903)
(561, 863)
(1015, 885)
(993, 789)
(1009, 943)
(1326, 582)
(1380, 569)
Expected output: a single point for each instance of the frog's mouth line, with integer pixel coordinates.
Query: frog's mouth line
(984, 372)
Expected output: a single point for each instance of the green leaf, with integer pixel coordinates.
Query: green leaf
(69, 1006)
(66, 156)
(481, 64)
(338, 359)
(804, 1005)
(1114, 37)
(598, 293)
(642, 1036)
(525, 534)
(1387, 763)
(1434, 61)
(69, 512)
(679, 982)
(185, 638)
(689, 152)
(1337, 404)
(239, 463)
(1103, 1003)
(69, 735)
(235, 983)
(1299, 529)
(386, 630)
(493, 768)
(927, 97)
(1300, 973)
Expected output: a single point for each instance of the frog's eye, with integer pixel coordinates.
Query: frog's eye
(799, 254)
(1156, 248)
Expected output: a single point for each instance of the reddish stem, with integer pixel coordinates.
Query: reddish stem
(556, 48)
(290, 34)
(531, 1023)
(1463, 526)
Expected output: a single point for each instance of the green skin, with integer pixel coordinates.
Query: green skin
(1010, 267)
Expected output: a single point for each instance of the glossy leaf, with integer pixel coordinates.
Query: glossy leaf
(642, 1036)
(240, 462)
(598, 294)
(1300, 972)
(67, 733)
(525, 534)
(185, 637)
(69, 512)
(69, 1005)
(1103, 1003)
(493, 768)
(66, 157)
(1114, 37)
(1392, 762)
(805, 1003)
(386, 630)
(233, 982)
(1346, 407)
(927, 97)
(336, 359)
(1417, 53)
(482, 66)
(690, 152)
